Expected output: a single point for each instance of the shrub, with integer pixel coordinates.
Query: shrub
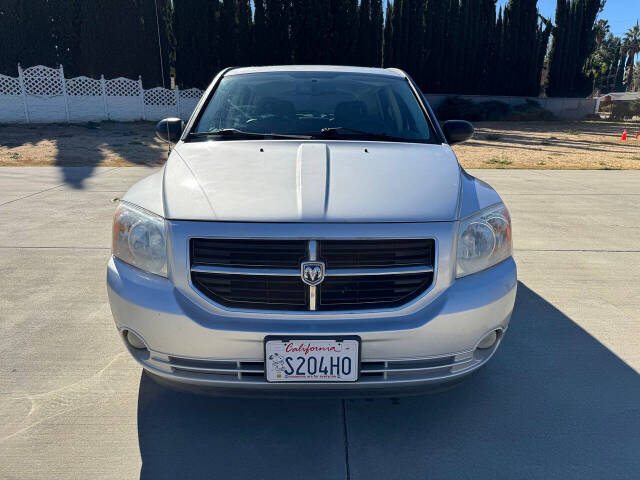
(457, 108)
(528, 112)
(494, 110)
(621, 111)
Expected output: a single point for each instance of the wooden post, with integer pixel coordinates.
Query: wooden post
(64, 93)
(103, 88)
(177, 94)
(23, 91)
(141, 93)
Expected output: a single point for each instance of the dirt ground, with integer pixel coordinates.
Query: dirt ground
(552, 145)
(540, 145)
(95, 144)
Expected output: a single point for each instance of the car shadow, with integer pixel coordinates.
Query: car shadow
(553, 403)
(87, 145)
(183, 435)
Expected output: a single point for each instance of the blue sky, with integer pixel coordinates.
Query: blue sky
(622, 14)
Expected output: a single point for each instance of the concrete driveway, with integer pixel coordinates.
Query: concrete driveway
(561, 398)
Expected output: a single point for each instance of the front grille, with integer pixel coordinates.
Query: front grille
(265, 274)
(376, 253)
(345, 293)
(253, 291)
(248, 253)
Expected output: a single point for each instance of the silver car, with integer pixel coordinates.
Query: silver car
(312, 231)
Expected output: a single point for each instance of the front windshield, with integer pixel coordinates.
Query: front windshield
(305, 103)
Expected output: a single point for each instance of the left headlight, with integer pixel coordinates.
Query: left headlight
(484, 239)
(139, 239)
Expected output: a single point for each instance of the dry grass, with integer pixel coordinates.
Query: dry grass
(552, 145)
(539, 145)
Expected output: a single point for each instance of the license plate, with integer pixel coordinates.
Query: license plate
(312, 359)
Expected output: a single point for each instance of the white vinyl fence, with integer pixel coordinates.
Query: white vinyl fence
(42, 94)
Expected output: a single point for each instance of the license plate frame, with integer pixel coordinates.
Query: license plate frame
(311, 338)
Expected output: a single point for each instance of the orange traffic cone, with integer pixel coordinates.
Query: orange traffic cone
(624, 134)
(637, 136)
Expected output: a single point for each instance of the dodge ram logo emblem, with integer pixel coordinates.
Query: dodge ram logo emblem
(312, 273)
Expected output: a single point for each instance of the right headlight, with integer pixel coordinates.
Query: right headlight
(484, 239)
(139, 239)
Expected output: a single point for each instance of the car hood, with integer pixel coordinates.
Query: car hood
(293, 181)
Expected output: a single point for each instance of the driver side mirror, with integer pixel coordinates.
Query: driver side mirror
(456, 131)
(170, 129)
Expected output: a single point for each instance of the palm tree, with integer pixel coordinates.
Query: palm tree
(632, 47)
(602, 29)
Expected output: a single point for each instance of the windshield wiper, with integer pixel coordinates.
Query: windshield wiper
(235, 133)
(329, 131)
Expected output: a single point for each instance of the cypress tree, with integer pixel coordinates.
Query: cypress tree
(11, 36)
(451, 56)
(489, 38)
(34, 33)
(277, 22)
(573, 42)
(195, 29)
(228, 34)
(302, 32)
(66, 35)
(435, 46)
(404, 34)
(259, 36)
(153, 42)
(542, 42)
(466, 47)
(397, 58)
(370, 33)
(311, 31)
(387, 40)
(133, 50)
(321, 11)
(364, 33)
(414, 47)
(520, 36)
(344, 32)
(376, 36)
(243, 15)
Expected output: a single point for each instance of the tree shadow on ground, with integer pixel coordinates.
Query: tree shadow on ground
(536, 136)
(553, 403)
(81, 145)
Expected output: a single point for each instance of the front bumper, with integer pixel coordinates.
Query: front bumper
(190, 344)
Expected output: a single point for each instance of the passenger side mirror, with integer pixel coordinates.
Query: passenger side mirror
(456, 131)
(170, 129)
